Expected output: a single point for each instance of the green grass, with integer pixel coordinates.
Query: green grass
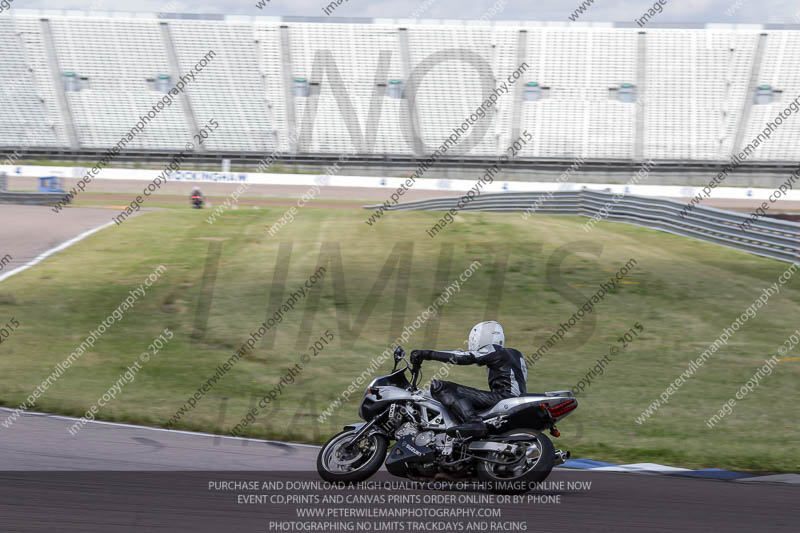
(684, 292)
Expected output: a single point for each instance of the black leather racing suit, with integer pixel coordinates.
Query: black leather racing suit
(507, 376)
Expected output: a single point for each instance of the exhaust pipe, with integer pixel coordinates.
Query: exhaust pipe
(562, 456)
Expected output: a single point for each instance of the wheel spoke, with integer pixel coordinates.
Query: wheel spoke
(338, 460)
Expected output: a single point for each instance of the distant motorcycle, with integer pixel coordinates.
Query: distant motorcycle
(197, 201)
(512, 457)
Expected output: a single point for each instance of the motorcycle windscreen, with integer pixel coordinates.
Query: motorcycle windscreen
(395, 379)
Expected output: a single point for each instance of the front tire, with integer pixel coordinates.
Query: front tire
(533, 467)
(335, 464)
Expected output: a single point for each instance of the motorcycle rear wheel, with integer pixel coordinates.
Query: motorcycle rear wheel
(335, 464)
(521, 476)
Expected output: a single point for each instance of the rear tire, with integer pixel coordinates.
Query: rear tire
(526, 473)
(340, 466)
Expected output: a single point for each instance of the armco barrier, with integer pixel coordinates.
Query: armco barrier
(30, 198)
(391, 184)
(767, 237)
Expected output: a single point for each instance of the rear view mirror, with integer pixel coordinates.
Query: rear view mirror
(399, 353)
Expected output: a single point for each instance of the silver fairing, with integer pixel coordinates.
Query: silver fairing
(434, 414)
(550, 398)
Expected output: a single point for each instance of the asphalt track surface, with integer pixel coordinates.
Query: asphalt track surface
(43, 442)
(113, 477)
(28, 230)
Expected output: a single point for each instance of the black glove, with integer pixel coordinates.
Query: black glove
(417, 356)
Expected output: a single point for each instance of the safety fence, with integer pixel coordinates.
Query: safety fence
(29, 198)
(767, 237)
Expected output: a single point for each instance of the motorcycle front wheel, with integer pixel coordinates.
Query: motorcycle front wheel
(337, 464)
(520, 473)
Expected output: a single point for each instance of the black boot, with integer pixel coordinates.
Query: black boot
(472, 426)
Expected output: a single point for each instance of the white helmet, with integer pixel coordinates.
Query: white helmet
(486, 333)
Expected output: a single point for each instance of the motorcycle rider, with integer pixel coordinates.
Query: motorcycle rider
(507, 376)
(197, 196)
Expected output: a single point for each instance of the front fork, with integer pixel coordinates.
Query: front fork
(361, 432)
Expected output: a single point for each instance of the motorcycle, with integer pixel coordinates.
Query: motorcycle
(511, 458)
(197, 201)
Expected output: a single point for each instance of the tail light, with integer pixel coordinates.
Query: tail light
(560, 409)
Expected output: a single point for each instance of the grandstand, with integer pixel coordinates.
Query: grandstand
(74, 83)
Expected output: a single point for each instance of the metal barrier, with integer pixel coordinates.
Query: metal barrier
(30, 198)
(767, 237)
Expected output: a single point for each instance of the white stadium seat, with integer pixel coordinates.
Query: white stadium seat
(691, 103)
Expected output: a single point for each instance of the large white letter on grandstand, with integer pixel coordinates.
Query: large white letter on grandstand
(484, 71)
(325, 63)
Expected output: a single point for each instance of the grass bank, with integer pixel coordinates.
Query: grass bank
(534, 275)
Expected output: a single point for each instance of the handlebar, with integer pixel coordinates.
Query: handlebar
(415, 373)
(400, 355)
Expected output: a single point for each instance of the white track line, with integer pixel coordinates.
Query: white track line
(148, 428)
(44, 255)
(41, 257)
